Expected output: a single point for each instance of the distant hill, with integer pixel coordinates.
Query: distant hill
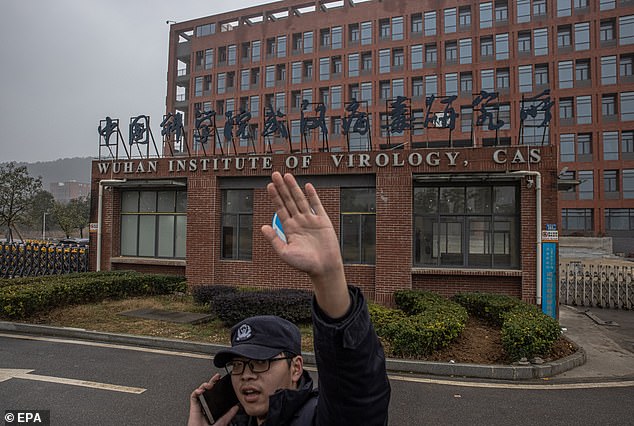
(62, 170)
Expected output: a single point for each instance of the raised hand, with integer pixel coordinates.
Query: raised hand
(312, 244)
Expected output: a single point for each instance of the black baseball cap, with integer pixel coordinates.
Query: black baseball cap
(261, 337)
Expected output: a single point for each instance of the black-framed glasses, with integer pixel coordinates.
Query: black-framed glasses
(236, 366)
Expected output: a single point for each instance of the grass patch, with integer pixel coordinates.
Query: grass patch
(103, 316)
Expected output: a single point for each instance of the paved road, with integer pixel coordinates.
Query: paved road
(166, 378)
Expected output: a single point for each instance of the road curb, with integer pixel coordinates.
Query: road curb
(499, 372)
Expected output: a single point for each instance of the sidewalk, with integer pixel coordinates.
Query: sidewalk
(609, 348)
(607, 352)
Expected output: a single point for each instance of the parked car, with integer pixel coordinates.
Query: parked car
(77, 241)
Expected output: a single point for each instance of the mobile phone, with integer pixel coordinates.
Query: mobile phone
(218, 400)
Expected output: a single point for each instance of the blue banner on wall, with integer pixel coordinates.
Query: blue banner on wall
(549, 279)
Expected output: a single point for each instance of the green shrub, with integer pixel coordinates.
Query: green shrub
(528, 332)
(28, 298)
(424, 323)
(232, 307)
(204, 294)
(489, 307)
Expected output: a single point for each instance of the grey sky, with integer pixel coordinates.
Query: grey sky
(66, 64)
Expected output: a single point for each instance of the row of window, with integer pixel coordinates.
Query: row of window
(570, 74)
(616, 184)
(578, 147)
(582, 220)
(453, 19)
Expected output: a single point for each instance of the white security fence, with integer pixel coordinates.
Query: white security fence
(589, 284)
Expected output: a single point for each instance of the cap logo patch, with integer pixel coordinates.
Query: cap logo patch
(244, 333)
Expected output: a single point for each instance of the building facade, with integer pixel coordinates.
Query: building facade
(425, 126)
(69, 190)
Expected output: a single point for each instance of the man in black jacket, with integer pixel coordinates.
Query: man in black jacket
(265, 360)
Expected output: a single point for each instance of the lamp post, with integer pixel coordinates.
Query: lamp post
(44, 227)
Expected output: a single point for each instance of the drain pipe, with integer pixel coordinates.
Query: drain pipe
(538, 225)
(102, 184)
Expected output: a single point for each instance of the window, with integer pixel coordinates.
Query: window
(523, 11)
(607, 4)
(610, 145)
(431, 53)
(308, 42)
(464, 17)
(566, 147)
(417, 56)
(398, 59)
(627, 106)
(627, 142)
(337, 37)
(566, 108)
(245, 79)
(205, 30)
(324, 69)
(540, 37)
(582, 70)
(584, 144)
(526, 78)
(451, 84)
(397, 28)
(254, 107)
(584, 110)
(565, 75)
(628, 183)
(430, 23)
(608, 106)
(153, 223)
(611, 181)
(269, 78)
(335, 97)
(398, 88)
(582, 36)
(502, 79)
(625, 67)
(487, 80)
(619, 219)
(524, 42)
(358, 225)
(486, 46)
(231, 55)
(539, 8)
(501, 11)
(353, 65)
(564, 37)
(354, 34)
(501, 46)
(608, 70)
(465, 51)
(366, 62)
(255, 50)
(384, 90)
(366, 92)
(431, 85)
(541, 75)
(586, 187)
(606, 31)
(564, 8)
(281, 47)
(417, 23)
(466, 82)
(451, 52)
(366, 33)
(579, 220)
(296, 72)
(417, 87)
(237, 224)
(384, 60)
(324, 38)
(626, 30)
(486, 15)
(450, 20)
(466, 119)
(384, 29)
(466, 226)
(220, 83)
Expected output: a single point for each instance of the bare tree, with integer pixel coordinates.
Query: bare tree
(17, 190)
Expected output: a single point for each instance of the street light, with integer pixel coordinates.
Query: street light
(44, 227)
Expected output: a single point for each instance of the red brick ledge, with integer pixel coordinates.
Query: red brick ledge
(463, 271)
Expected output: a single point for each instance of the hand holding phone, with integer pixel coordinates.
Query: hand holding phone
(215, 402)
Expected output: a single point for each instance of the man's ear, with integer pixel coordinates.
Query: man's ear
(297, 368)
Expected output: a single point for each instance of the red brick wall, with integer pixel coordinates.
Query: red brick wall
(394, 186)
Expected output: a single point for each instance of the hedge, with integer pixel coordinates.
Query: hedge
(25, 299)
(232, 305)
(424, 322)
(489, 307)
(526, 331)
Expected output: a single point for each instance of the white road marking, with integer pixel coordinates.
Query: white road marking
(7, 374)
(108, 345)
(521, 386)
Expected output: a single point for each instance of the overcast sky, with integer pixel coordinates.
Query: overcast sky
(66, 64)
